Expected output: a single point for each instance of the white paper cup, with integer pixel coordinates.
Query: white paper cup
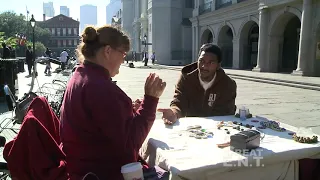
(132, 171)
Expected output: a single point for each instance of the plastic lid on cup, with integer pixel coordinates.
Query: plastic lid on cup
(132, 167)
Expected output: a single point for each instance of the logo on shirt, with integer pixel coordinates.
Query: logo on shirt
(211, 99)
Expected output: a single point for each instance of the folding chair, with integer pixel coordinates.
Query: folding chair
(54, 93)
(4, 171)
(9, 120)
(19, 109)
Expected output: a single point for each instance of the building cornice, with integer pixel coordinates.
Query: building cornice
(251, 5)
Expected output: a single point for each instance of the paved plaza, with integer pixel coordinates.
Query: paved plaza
(294, 106)
(297, 107)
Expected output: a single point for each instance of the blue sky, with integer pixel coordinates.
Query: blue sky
(35, 7)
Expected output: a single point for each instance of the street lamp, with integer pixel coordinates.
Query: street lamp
(145, 50)
(33, 24)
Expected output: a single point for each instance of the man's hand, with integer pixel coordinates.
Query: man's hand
(136, 104)
(154, 86)
(168, 116)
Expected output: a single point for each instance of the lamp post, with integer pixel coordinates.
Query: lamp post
(33, 24)
(145, 50)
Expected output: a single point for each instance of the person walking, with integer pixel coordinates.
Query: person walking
(48, 64)
(145, 59)
(6, 51)
(63, 58)
(29, 59)
(153, 57)
(8, 98)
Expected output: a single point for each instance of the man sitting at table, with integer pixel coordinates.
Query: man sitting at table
(203, 89)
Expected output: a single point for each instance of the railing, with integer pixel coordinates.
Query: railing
(65, 36)
(223, 3)
(181, 55)
(238, 1)
(204, 8)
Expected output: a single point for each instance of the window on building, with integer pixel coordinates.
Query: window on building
(69, 31)
(75, 42)
(189, 3)
(223, 2)
(64, 43)
(53, 32)
(75, 31)
(64, 31)
(58, 43)
(58, 31)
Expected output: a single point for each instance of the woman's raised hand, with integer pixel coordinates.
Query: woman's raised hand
(154, 86)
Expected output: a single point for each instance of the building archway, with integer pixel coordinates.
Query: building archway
(249, 35)
(317, 60)
(225, 39)
(207, 37)
(284, 43)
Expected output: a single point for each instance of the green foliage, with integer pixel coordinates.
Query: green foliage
(2, 38)
(11, 41)
(11, 24)
(39, 48)
(42, 35)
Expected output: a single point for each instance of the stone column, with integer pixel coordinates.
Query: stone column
(196, 3)
(197, 41)
(213, 5)
(263, 39)
(236, 53)
(201, 2)
(304, 57)
(193, 43)
(144, 22)
(137, 36)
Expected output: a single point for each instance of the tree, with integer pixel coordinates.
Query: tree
(11, 24)
(39, 48)
(42, 35)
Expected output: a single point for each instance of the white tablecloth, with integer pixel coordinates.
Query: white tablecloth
(171, 148)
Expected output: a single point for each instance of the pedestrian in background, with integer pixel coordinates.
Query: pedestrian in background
(5, 51)
(63, 58)
(153, 57)
(29, 59)
(48, 64)
(8, 98)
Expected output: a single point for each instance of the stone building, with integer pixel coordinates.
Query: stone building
(262, 35)
(116, 19)
(64, 33)
(112, 9)
(166, 25)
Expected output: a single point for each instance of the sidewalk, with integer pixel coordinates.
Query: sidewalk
(24, 83)
(312, 83)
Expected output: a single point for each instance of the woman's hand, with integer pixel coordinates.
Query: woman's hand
(136, 104)
(154, 86)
